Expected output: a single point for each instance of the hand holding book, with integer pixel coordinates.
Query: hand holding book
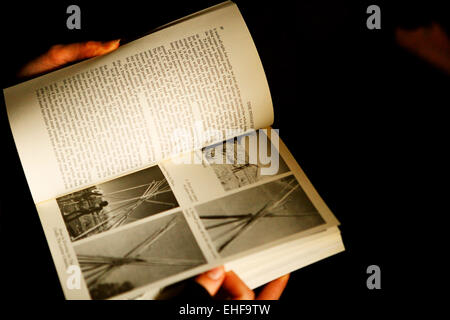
(100, 143)
(217, 282)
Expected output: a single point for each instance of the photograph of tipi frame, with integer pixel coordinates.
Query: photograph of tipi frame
(116, 202)
(258, 216)
(237, 169)
(138, 255)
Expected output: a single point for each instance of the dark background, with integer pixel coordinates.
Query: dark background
(362, 116)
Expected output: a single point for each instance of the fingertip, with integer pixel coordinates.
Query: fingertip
(212, 279)
(97, 48)
(111, 45)
(284, 278)
(216, 273)
(274, 289)
(236, 288)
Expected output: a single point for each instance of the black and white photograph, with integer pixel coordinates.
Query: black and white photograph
(237, 169)
(258, 216)
(115, 203)
(138, 256)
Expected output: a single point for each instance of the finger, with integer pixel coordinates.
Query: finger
(274, 289)
(212, 280)
(60, 55)
(235, 288)
(430, 43)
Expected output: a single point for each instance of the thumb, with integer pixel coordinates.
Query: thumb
(60, 55)
(212, 280)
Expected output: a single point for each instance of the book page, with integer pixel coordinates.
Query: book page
(183, 87)
(170, 221)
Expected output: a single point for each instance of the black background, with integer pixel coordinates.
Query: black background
(363, 117)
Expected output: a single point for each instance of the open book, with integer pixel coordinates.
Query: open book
(156, 162)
